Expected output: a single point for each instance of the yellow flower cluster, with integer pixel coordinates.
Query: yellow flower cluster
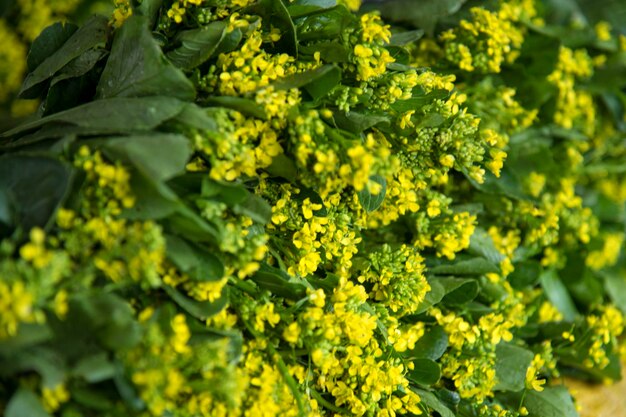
(485, 42)
(243, 146)
(574, 108)
(123, 10)
(348, 358)
(532, 380)
(177, 11)
(608, 254)
(604, 329)
(370, 57)
(16, 307)
(397, 279)
(250, 67)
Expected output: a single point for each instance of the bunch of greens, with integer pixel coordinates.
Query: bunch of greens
(268, 208)
(21, 21)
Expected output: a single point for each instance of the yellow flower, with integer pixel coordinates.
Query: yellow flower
(176, 13)
(54, 397)
(308, 208)
(292, 333)
(603, 31)
(181, 334)
(265, 314)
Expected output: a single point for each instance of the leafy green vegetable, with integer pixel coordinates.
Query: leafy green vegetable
(558, 294)
(33, 199)
(137, 67)
(432, 345)
(512, 363)
(25, 403)
(202, 310)
(369, 201)
(92, 34)
(425, 372)
(197, 45)
(551, 402)
(113, 115)
(158, 156)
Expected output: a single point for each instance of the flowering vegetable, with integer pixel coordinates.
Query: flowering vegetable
(240, 208)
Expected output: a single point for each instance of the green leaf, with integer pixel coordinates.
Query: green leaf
(299, 8)
(278, 282)
(181, 253)
(434, 296)
(511, 365)
(508, 184)
(557, 293)
(526, 274)
(419, 101)
(406, 37)
(425, 372)
(28, 334)
(6, 207)
(358, 122)
(432, 344)
(242, 105)
(256, 208)
(615, 284)
(197, 45)
(330, 51)
(197, 117)
(588, 290)
(48, 42)
(551, 402)
(369, 201)
(115, 115)
(90, 35)
(324, 84)
(450, 399)
(458, 290)
(275, 14)
(91, 398)
(149, 9)
(25, 403)
(73, 83)
(153, 200)
(431, 401)
(109, 318)
(198, 263)
(137, 67)
(229, 42)
(36, 185)
(317, 82)
(432, 120)
(128, 393)
(80, 65)
(44, 361)
(283, 167)
(201, 310)
(230, 193)
(424, 17)
(481, 244)
(186, 222)
(158, 156)
(94, 369)
(326, 24)
(471, 266)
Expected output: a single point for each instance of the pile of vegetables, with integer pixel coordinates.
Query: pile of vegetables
(310, 208)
